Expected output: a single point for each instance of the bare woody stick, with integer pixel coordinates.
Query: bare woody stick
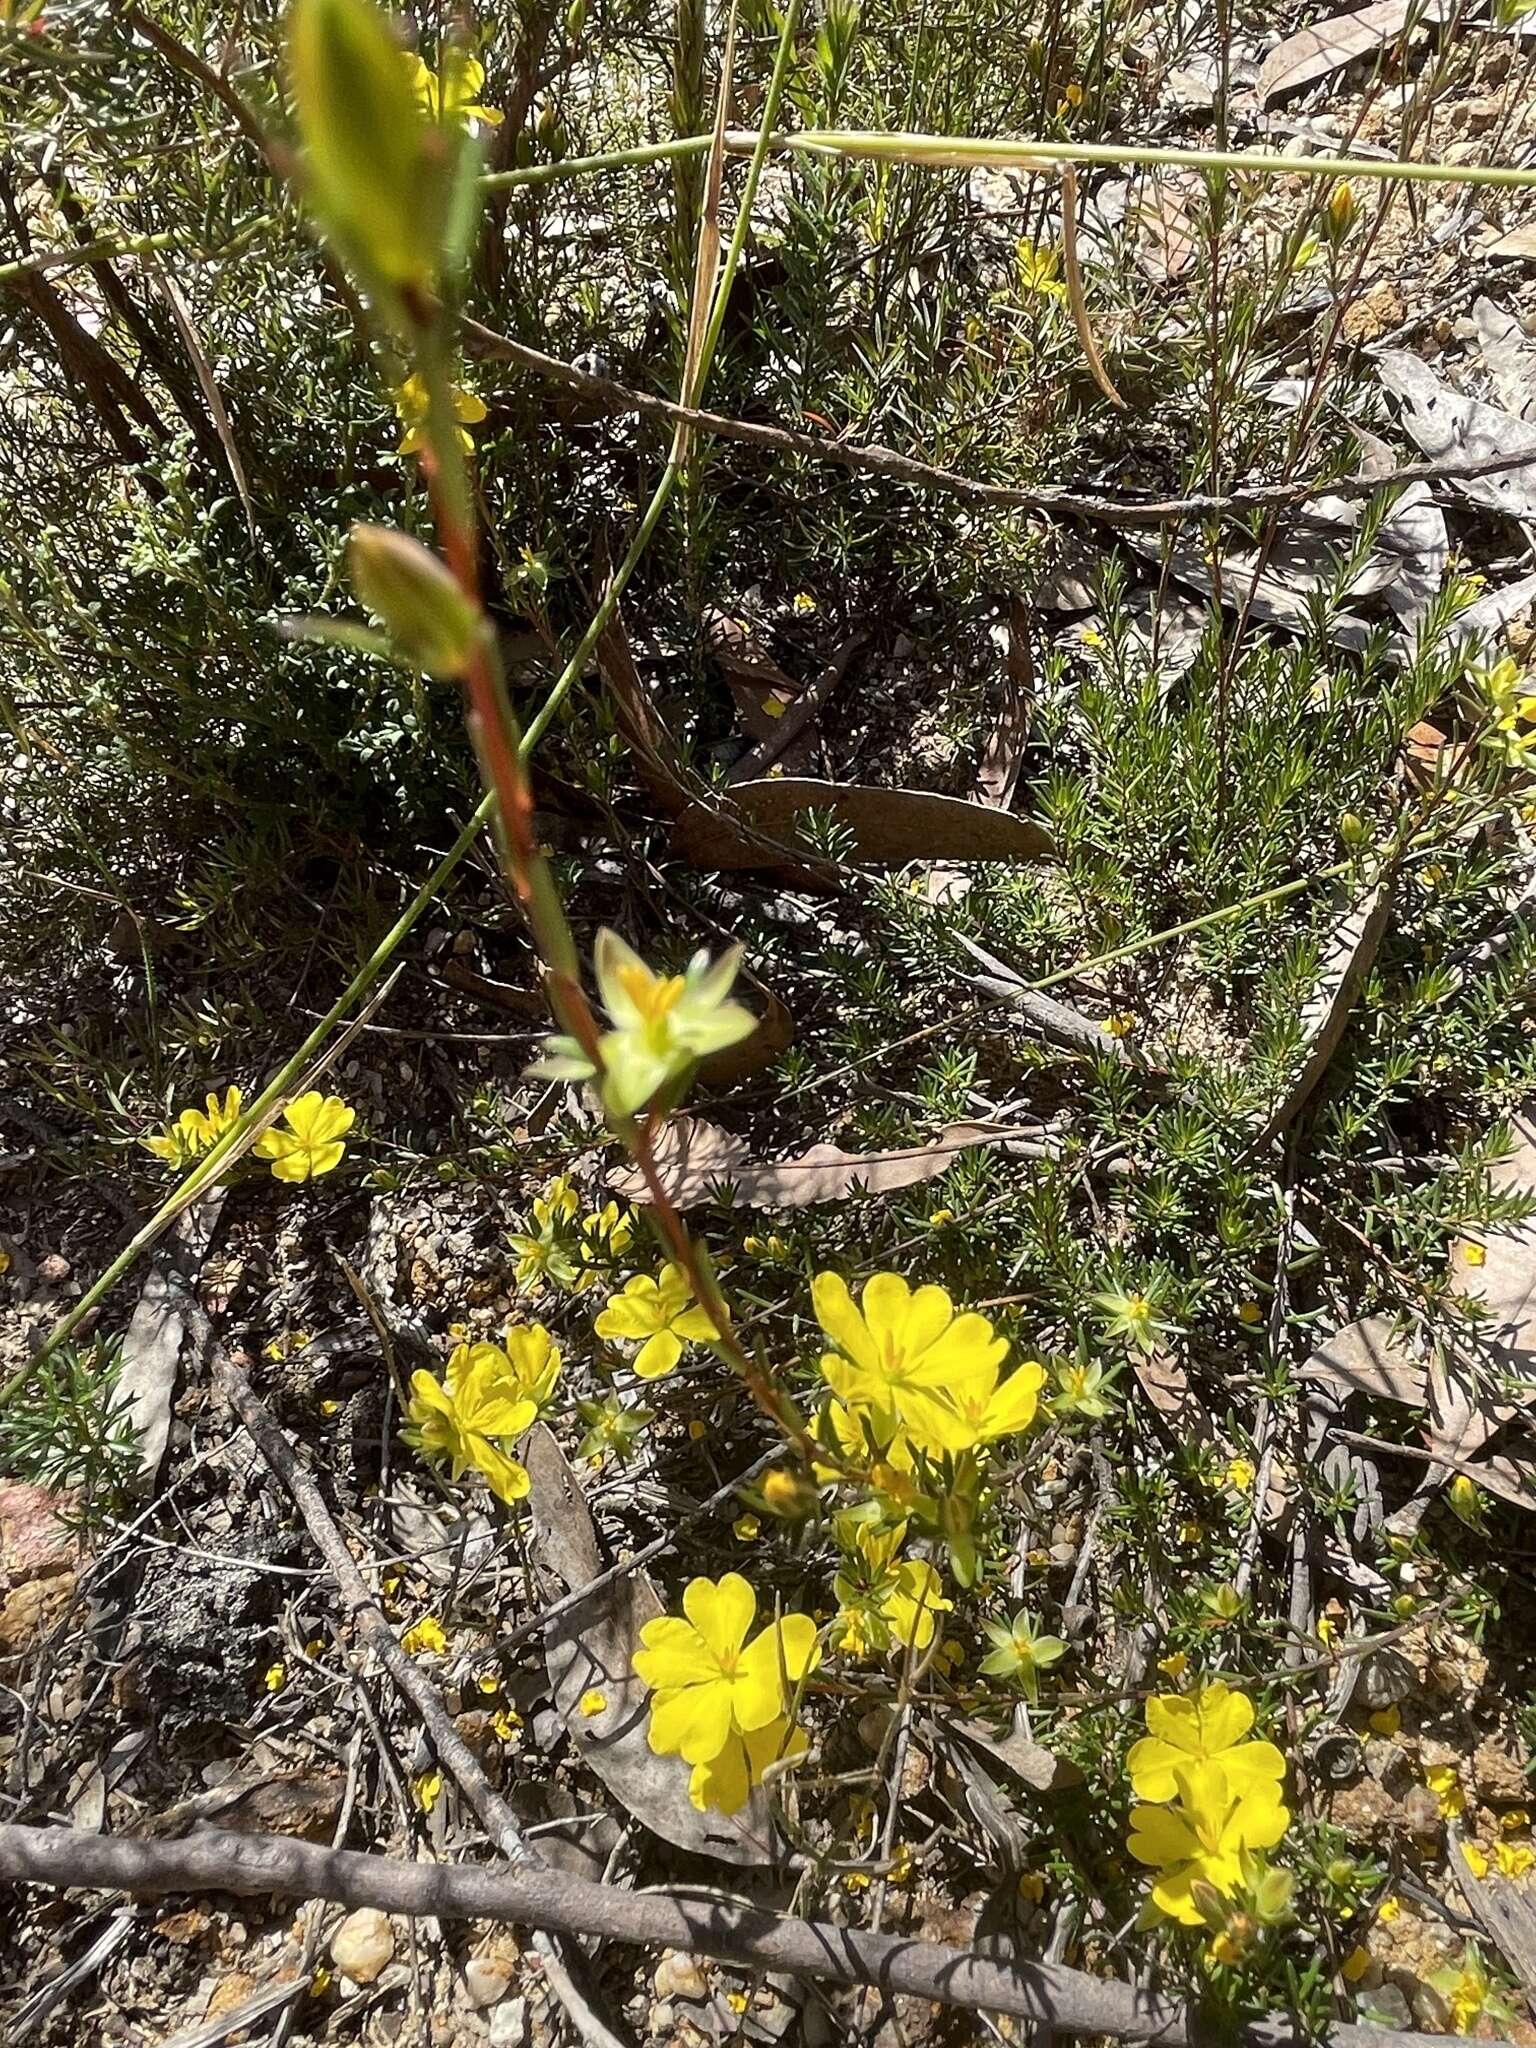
(534, 1895)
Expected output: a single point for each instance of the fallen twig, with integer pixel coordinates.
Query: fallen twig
(534, 1895)
(878, 461)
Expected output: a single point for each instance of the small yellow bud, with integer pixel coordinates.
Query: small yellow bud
(1341, 211)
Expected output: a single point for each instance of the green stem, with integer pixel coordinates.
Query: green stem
(1194, 924)
(1024, 152)
(581, 166)
(208, 1168)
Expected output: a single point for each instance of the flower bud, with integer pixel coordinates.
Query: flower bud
(1341, 211)
(1352, 829)
(414, 597)
(376, 169)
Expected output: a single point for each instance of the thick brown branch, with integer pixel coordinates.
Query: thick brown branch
(213, 1860)
(877, 461)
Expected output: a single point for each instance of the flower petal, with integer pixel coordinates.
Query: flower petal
(841, 1320)
(673, 1654)
(723, 1784)
(966, 1354)
(722, 1613)
(658, 1355)
(1160, 1836)
(1150, 1766)
(693, 1723)
(887, 1302)
(1222, 1716)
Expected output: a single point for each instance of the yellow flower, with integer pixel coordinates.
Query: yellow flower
(1469, 1991)
(505, 1725)
(662, 1024)
(1446, 1786)
(426, 1634)
(709, 1682)
(1040, 271)
(725, 1782)
(1249, 1312)
(312, 1143)
(286, 1345)
(413, 404)
(1191, 1531)
(1385, 1721)
(427, 1789)
(1514, 1858)
(661, 1315)
(881, 1595)
(1355, 1964)
(449, 97)
(1475, 1859)
(489, 1683)
(697, 1431)
(1390, 1909)
(993, 1412)
(592, 1703)
(1516, 1818)
(1032, 1886)
(1174, 1667)
(492, 1394)
(196, 1131)
(275, 1677)
(745, 1528)
(1205, 1726)
(1240, 1474)
(939, 1218)
(908, 1358)
(1204, 1836)
(783, 1491)
(1475, 1254)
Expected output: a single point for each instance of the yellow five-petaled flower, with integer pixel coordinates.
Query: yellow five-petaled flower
(916, 1369)
(492, 1394)
(1204, 1836)
(722, 1703)
(662, 1024)
(312, 1143)
(661, 1315)
(413, 404)
(1208, 1725)
(196, 1131)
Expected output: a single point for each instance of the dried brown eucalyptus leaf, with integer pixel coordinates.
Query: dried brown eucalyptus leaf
(589, 1650)
(695, 1157)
